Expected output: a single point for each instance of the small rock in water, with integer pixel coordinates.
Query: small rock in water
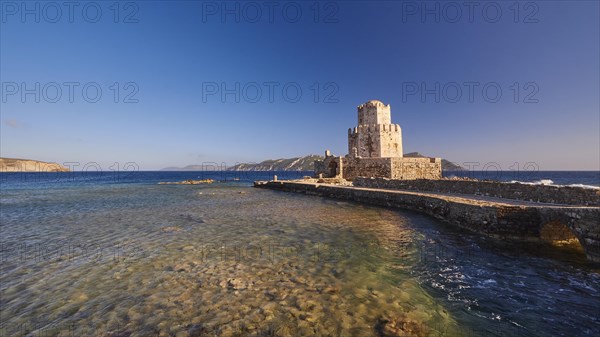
(337, 272)
(400, 326)
(187, 182)
(197, 330)
(235, 284)
(171, 229)
(270, 296)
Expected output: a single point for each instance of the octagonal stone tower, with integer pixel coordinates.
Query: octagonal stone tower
(375, 136)
(375, 151)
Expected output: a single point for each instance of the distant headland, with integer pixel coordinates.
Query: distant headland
(29, 165)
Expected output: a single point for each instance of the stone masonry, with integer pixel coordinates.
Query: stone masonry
(375, 136)
(375, 150)
(565, 195)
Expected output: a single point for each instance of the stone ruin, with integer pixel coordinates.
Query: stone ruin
(375, 150)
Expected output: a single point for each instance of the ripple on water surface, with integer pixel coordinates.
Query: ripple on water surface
(189, 260)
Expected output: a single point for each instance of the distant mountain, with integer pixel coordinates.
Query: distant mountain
(446, 164)
(28, 165)
(305, 163)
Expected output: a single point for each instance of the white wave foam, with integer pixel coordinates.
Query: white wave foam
(584, 186)
(548, 182)
(538, 182)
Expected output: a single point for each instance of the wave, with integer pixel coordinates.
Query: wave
(537, 182)
(584, 186)
(548, 182)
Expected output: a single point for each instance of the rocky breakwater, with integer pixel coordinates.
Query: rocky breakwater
(187, 182)
(507, 219)
(28, 165)
(567, 195)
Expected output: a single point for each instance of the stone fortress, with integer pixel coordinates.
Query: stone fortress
(375, 150)
(376, 172)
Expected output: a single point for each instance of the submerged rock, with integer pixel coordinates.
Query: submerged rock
(400, 326)
(187, 182)
(171, 229)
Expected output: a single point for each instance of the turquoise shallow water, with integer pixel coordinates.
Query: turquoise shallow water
(133, 258)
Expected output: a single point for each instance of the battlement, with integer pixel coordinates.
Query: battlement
(374, 112)
(371, 103)
(373, 127)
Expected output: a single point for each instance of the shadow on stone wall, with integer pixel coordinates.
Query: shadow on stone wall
(560, 235)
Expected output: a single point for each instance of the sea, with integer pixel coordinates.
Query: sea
(117, 254)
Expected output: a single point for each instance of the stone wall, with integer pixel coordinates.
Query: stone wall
(416, 168)
(366, 140)
(330, 167)
(493, 219)
(374, 112)
(369, 167)
(538, 193)
(351, 168)
(375, 136)
(391, 140)
(377, 140)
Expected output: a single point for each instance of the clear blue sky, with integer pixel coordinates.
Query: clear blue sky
(175, 52)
